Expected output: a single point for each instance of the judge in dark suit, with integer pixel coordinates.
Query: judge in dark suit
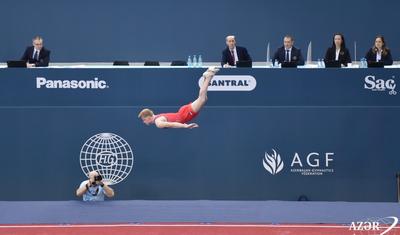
(288, 53)
(36, 55)
(233, 53)
(338, 51)
(379, 52)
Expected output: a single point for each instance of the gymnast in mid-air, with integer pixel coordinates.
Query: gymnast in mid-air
(186, 113)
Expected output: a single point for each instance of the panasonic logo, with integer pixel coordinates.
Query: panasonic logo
(231, 83)
(42, 82)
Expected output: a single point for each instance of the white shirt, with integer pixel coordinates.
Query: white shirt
(235, 54)
(95, 193)
(337, 54)
(34, 51)
(290, 54)
(378, 56)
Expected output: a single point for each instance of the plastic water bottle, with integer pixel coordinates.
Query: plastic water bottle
(319, 65)
(200, 62)
(194, 61)
(189, 62)
(276, 63)
(363, 63)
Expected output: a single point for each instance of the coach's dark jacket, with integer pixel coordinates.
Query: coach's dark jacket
(344, 55)
(242, 54)
(43, 60)
(296, 56)
(386, 59)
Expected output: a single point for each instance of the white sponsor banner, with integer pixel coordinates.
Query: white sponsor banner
(231, 83)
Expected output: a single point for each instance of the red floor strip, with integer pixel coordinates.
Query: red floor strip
(187, 229)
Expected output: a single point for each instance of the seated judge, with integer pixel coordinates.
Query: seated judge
(233, 53)
(380, 52)
(288, 53)
(36, 55)
(338, 51)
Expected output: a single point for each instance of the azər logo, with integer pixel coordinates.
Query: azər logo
(375, 226)
(95, 83)
(231, 83)
(373, 84)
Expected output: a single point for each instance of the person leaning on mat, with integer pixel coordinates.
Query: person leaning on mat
(94, 189)
(36, 55)
(338, 51)
(379, 52)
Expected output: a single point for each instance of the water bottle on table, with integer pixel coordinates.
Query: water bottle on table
(194, 61)
(189, 62)
(200, 62)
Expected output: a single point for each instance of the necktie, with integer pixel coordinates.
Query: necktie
(233, 57)
(36, 55)
(287, 56)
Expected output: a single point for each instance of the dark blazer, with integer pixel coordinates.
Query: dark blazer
(386, 59)
(241, 53)
(44, 57)
(344, 55)
(295, 56)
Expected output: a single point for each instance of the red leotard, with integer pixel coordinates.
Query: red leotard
(184, 115)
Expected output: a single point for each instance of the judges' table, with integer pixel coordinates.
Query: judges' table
(265, 134)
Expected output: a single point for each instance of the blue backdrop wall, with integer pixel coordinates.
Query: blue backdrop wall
(323, 111)
(103, 30)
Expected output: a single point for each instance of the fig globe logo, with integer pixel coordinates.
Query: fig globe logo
(106, 159)
(273, 163)
(108, 154)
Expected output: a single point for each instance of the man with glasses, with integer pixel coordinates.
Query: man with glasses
(36, 55)
(232, 53)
